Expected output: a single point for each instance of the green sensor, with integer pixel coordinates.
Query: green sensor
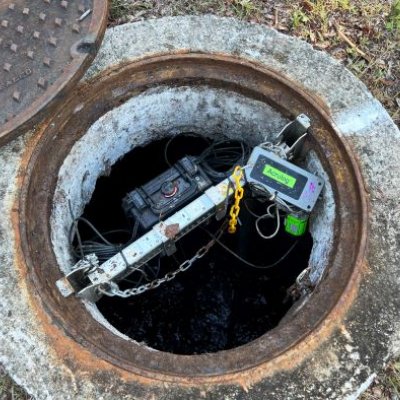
(296, 225)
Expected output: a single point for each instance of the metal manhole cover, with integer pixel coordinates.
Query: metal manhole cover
(45, 47)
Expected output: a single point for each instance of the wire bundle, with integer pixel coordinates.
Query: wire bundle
(98, 244)
(104, 249)
(220, 158)
(262, 195)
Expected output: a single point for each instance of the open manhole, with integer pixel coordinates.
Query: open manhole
(221, 302)
(223, 315)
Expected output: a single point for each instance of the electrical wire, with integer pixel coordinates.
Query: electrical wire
(275, 147)
(248, 263)
(172, 138)
(103, 248)
(269, 215)
(268, 143)
(291, 148)
(249, 210)
(218, 161)
(262, 191)
(278, 150)
(262, 194)
(74, 228)
(220, 158)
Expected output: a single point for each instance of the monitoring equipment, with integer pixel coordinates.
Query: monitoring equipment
(88, 275)
(296, 223)
(187, 195)
(167, 193)
(283, 179)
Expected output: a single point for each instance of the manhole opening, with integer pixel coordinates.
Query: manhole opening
(143, 103)
(221, 302)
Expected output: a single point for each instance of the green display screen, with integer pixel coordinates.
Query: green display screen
(279, 176)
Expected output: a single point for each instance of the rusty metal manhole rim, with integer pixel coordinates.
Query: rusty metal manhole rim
(218, 71)
(45, 104)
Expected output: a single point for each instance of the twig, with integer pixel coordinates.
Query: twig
(84, 15)
(343, 36)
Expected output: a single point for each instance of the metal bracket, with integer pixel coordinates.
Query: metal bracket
(292, 132)
(162, 237)
(76, 279)
(170, 248)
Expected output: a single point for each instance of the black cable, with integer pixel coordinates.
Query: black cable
(248, 263)
(94, 229)
(260, 191)
(172, 138)
(151, 268)
(220, 158)
(251, 212)
(103, 248)
(74, 230)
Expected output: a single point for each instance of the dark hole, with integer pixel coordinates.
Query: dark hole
(220, 302)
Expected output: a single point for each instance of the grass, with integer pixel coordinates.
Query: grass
(364, 35)
(318, 12)
(299, 18)
(119, 8)
(393, 22)
(244, 8)
(10, 391)
(386, 386)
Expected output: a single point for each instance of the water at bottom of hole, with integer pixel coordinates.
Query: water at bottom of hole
(219, 303)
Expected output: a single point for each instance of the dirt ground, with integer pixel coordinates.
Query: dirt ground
(363, 34)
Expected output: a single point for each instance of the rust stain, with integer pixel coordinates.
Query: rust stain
(171, 231)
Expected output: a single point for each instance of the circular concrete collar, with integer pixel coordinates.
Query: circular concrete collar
(341, 358)
(45, 48)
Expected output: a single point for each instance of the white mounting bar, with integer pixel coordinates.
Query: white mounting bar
(84, 280)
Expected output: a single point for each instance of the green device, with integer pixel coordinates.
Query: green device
(296, 224)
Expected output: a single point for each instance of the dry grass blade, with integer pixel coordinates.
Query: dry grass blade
(343, 36)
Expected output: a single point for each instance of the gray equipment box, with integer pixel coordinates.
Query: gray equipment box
(291, 183)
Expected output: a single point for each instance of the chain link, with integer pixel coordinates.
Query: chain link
(239, 192)
(114, 290)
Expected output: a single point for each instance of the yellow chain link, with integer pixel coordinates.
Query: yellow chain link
(235, 209)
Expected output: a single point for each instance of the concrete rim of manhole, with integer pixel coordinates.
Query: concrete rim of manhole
(106, 93)
(55, 42)
(308, 347)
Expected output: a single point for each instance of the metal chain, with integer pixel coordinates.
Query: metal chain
(239, 192)
(114, 290)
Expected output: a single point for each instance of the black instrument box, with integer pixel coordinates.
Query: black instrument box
(167, 193)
